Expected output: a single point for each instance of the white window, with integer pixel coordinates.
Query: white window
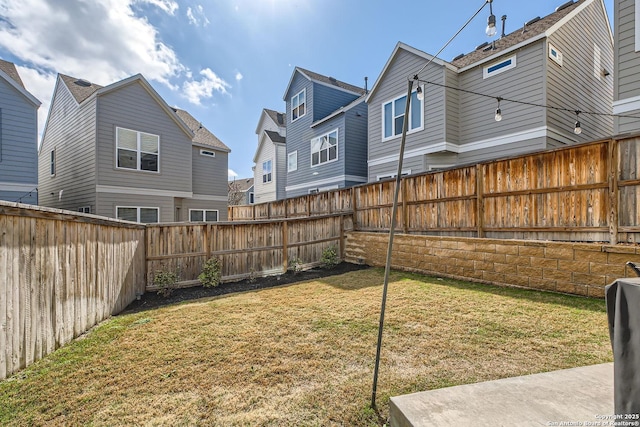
(393, 116)
(555, 54)
(137, 150)
(292, 161)
(324, 149)
(136, 214)
(392, 175)
(52, 162)
(200, 215)
(499, 67)
(266, 171)
(298, 105)
(207, 153)
(85, 209)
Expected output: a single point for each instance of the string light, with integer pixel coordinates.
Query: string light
(420, 93)
(491, 21)
(25, 195)
(498, 115)
(577, 129)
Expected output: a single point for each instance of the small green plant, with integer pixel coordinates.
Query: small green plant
(166, 282)
(211, 273)
(330, 257)
(295, 265)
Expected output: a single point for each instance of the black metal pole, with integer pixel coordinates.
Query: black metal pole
(394, 210)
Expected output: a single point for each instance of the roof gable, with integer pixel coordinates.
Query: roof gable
(9, 72)
(340, 110)
(279, 119)
(323, 80)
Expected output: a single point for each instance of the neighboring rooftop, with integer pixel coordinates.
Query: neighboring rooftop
(202, 134)
(10, 69)
(332, 81)
(277, 117)
(520, 35)
(241, 184)
(275, 136)
(80, 89)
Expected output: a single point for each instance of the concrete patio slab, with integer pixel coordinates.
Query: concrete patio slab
(571, 397)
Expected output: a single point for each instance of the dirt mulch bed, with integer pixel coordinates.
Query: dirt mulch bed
(151, 300)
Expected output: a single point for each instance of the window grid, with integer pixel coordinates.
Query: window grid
(324, 149)
(298, 105)
(393, 116)
(137, 150)
(145, 215)
(266, 171)
(203, 215)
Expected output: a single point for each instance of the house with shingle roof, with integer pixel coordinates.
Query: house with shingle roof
(120, 151)
(270, 158)
(241, 191)
(18, 138)
(326, 133)
(627, 63)
(563, 60)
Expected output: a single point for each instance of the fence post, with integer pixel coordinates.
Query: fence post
(479, 201)
(405, 210)
(342, 236)
(285, 243)
(308, 204)
(613, 190)
(354, 208)
(207, 246)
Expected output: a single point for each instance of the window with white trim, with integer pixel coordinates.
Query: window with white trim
(292, 161)
(393, 116)
(555, 55)
(267, 171)
(52, 162)
(207, 153)
(393, 175)
(137, 150)
(137, 214)
(203, 215)
(298, 105)
(85, 209)
(499, 67)
(324, 149)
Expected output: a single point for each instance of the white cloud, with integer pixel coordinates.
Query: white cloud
(196, 90)
(239, 76)
(166, 5)
(231, 173)
(40, 85)
(197, 16)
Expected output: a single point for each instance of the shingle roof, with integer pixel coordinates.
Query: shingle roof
(332, 81)
(241, 184)
(79, 88)
(275, 136)
(277, 117)
(517, 36)
(202, 134)
(10, 69)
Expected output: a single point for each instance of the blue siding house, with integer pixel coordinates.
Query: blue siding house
(326, 134)
(18, 138)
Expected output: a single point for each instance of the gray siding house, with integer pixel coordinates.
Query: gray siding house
(120, 151)
(627, 65)
(563, 60)
(270, 169)
(18, 138)
(241, 191)
(326, 134)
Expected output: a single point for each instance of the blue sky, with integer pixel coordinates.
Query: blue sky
(225, 60)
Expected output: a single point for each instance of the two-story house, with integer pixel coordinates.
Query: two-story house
(270, 170)
(326, 133)
(120, 151)
(627, 66)
(564, 60)
(18, 138)
(241, 191)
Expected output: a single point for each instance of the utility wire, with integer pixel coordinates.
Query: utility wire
(27, 194)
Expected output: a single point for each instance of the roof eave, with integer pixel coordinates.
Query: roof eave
(24, 92)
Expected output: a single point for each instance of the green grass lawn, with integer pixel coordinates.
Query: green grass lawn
(303, 354)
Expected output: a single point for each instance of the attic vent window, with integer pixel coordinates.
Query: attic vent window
(83, 83)
(499, 67)
(555, 55)
(207, 153)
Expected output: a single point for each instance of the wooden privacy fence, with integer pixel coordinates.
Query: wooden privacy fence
(246, 249)
(60, 274)
(587, 193)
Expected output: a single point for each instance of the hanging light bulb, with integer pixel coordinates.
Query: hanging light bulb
(498, 115)
(577, 129)
(491, 21)
(420, 93)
